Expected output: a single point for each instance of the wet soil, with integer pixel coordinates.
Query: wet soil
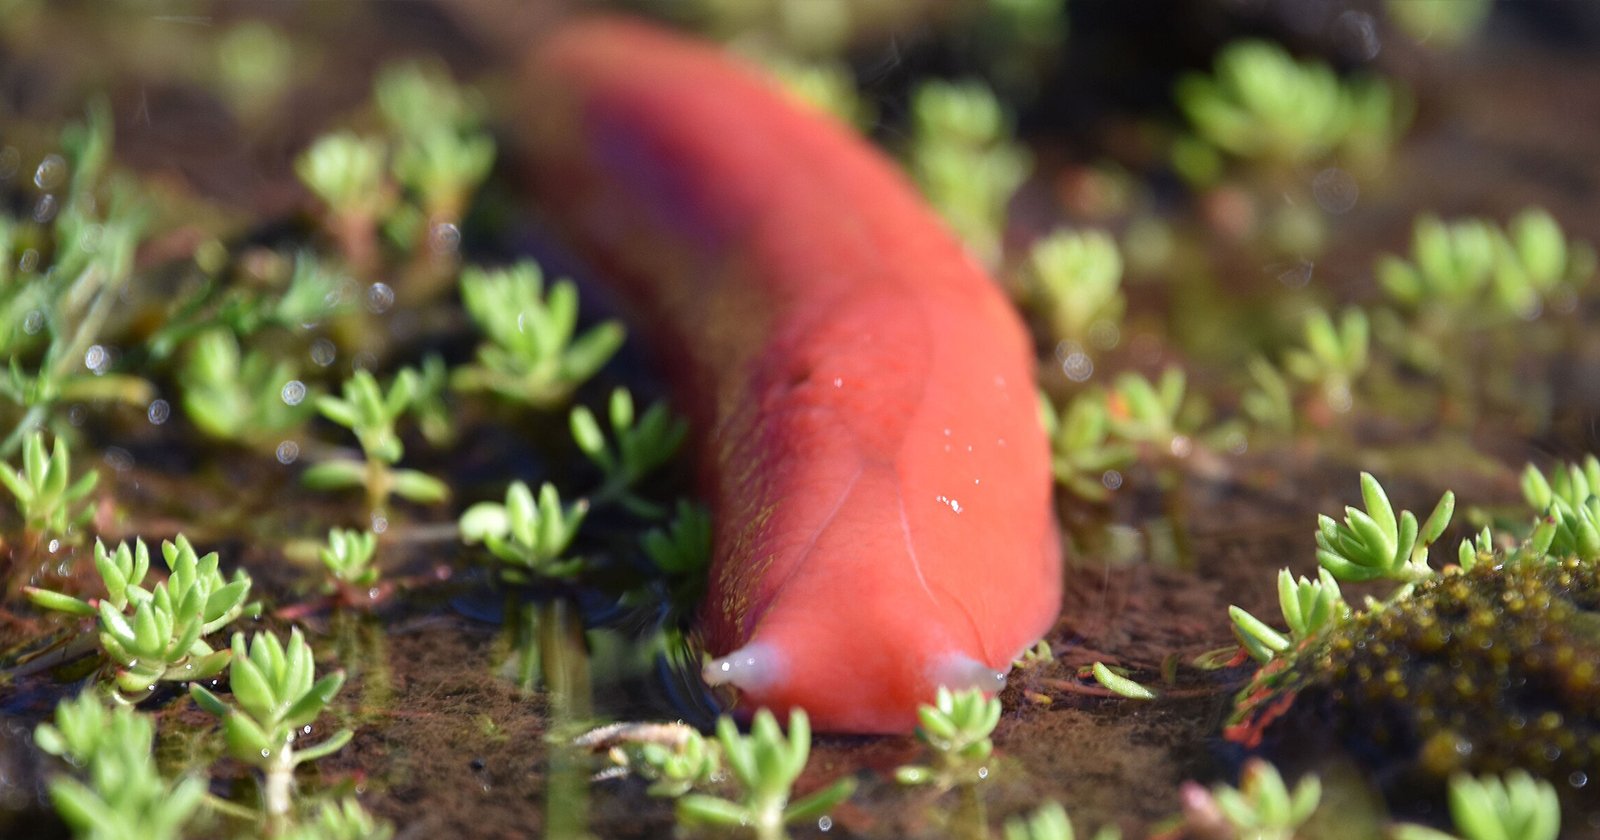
(447, 744)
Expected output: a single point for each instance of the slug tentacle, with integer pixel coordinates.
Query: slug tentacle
(754, 668)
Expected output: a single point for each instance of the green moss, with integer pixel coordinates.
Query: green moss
(1478, 671)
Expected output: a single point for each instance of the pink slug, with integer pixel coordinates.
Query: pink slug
(863, 393)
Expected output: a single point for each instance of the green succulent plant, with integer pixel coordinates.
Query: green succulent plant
(1472, 272)
(162, 636)
(293, 292)
(248, 397)
(1082, 446)
(348, 557)
(1375, 544)
(956, 727)
(1075, 281)
(964, 158)
(157, 633)
(371, 413)
(682, 551)
(341, 820)
(118, 794)
(1050, 822)
(675, 767)
(1262, 807)
(1261, 104)
(1308, 607)
(533, 354)
(346, 171)
(55, 309)
(640, 446)
(1154, 414)
(276, 697)
(765, 764)
(528, 536)
(50, 502)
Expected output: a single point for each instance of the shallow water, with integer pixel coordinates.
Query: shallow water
(446, 740)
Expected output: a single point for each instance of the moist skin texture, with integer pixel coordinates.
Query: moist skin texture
(862, 391)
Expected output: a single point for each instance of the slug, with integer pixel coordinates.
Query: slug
(862, 392)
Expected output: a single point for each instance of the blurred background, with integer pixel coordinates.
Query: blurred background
(1262, 246)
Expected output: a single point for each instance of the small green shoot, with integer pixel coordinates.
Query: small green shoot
(682, 551)
(1576, 530)
(1479, 548)
(1262, 105)
(278, 698)
(279, 295)
(1074, 280)
(1039, 654)
(119, 571)
(533, 355)
(248, 398)
(1515, 807)
(766, 764)
(1269, 401)
(1335, 355)
(1308, 608)
(1333, 358)
(371, 414)
(1119, 684)
(673, 758)
(155, 634)
(162, 636)
(51, 504)
(528, 536)
(441, 155)
(1155, 414)
(125, 796)
(1469, 272)
(433, 414)
(1261, 808)
(640, 447)
(1571, 483)
(346, 172)
(342, 820)
(255, 64)
(956, 727)
(1082, 448)
(1569, 506)
(1374, 544)
(963, 157)
(415, 98)
(348, 558)
(1050, 822)
(64, 303)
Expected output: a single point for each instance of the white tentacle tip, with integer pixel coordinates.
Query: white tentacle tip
(753, 667)
(958, 671)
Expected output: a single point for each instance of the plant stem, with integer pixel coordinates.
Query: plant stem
(378, 481)
(34, 416)
(277, 788)
(526, 642)
(566, 673)
(232, 809)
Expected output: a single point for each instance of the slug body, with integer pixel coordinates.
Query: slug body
(869, 436)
